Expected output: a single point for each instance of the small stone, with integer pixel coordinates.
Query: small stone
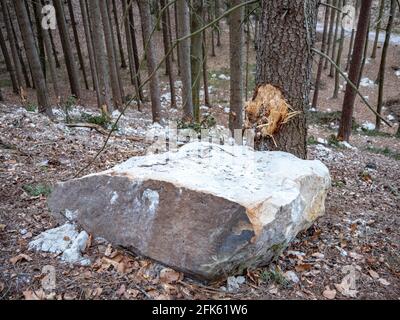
(291, 276)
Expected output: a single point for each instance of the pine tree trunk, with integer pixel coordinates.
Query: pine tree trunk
(284, 60)
(89, 44)
(53, 47)
(217, 14)
(205, 71)
(196, 55)
(33, 58)
(321, 59)
(330, 32)
(77, 45)
(383, 62)
(147, 27)
(68, 55)
(39, 31)
(365, 53)
(168, 61)
(48, 51)
(13, 46)
(353, 32)
(378, 28)
(135, 48)
(132, 67)
(112, 64)
(100, 57)
(177, 37)
(183, 21)
(338, 59)
(236, 44)
(9, 64)
(354, 72)
(119, 38)
(335, 38)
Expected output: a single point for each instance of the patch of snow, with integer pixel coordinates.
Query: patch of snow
(227, 110)
(347, 145)
(224, 77)
(366, 82)
(291, 276)
(397, 73)
(71, 215)
(368, 126)
(233, 283)
(322, 141)
(390, 117)
(65, 240)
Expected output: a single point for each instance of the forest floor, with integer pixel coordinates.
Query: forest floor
(353, 252)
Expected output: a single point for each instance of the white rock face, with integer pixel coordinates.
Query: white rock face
(65, 240)
(208, 209)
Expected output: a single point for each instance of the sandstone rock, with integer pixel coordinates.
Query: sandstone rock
(207, 210)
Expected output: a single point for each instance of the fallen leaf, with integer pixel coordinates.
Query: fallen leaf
(303, 267)
(1, 286)
(168, 275)
(2, 227)
(121, 290)
(20, 257)
(131, 293)
(34, 295)
(383, 282)
(373, 274)
(329, 294)
(97, 292)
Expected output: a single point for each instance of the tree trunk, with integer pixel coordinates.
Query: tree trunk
(119, 38)
(365, 53)
(335, 38)
(383, 62)
(53, 47)
(168, 61)
(236, 44)
(205, 71)
(217, 14)
(100, 57)
(68, 55)
(330, 32)
(378, 28)
(177, 36)
(353, 32)
(112, 64)
(147, 27)
(284, 60)
(89, 44)
(48, 51)
(39, 30)
(196, 55)
(9, 64)
(33, 58)
(321, 59)
(354, 72)
(183, 21)
(339, 58)
(77, 45)
(134, 47)
(13, 46)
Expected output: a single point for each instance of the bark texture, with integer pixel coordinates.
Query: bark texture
(284, 60)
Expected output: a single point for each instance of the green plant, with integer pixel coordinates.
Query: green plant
(276, 276)
(31, 107)
(207, 123)
(35, 190)
(311, 140)
(334, 142)
(102, 120)
(385, 152)
(69, 102)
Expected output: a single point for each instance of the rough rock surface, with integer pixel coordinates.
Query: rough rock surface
(64, 240)
(208, 210)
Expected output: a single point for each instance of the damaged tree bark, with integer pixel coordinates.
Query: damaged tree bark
(284, 60)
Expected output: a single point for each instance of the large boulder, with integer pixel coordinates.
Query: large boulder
(207, 210)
